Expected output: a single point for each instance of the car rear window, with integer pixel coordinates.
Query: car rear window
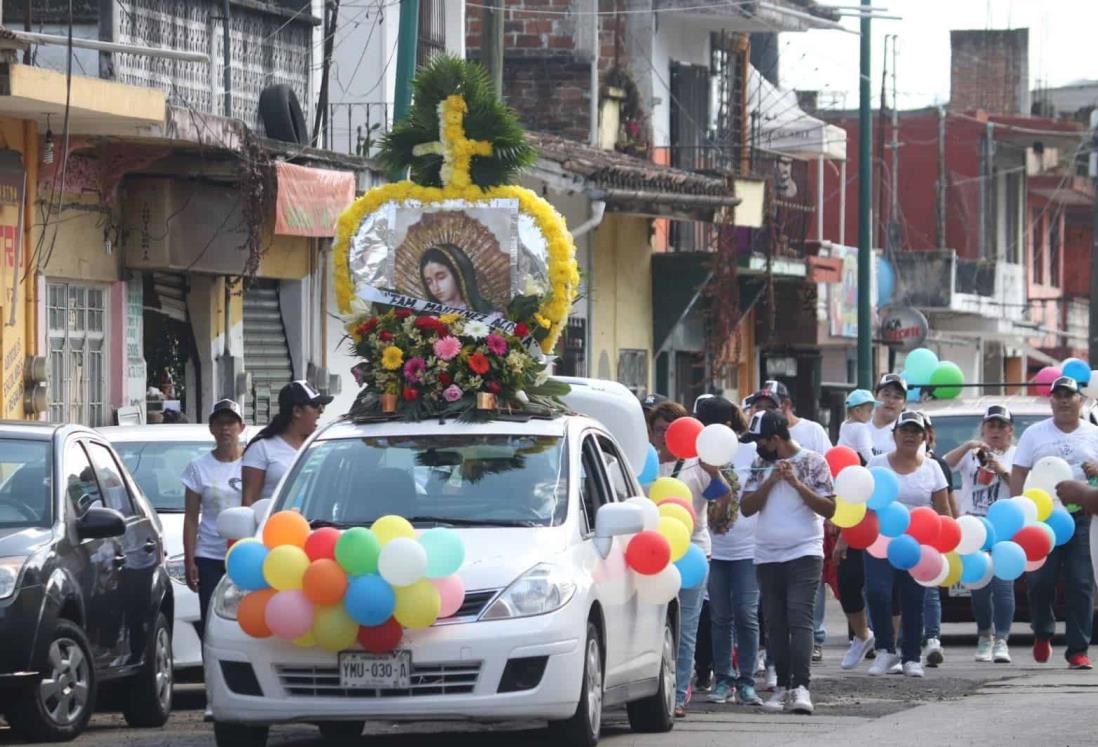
(25, 469)
(157, 467)
(953, 430)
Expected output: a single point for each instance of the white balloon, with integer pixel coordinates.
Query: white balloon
(973, 535)
(988, 575)
(1029, 508)
(717, 445)
(942, 575)
(659, 588)
(854, 484)
(402, 562)
(650, 510)
(1047, 473)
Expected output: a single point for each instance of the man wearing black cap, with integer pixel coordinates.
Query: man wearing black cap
(891, 393)
(790, 489)
(774, 395)
(1074, 440)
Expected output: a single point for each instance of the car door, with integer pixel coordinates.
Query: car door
(140, 547)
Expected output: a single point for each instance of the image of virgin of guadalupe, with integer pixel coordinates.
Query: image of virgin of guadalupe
(449, 278)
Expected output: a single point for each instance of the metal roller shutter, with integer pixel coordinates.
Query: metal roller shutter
(266, 352)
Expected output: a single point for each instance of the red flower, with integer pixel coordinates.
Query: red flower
(385, 336)
(521, 330)
(478, 363)
(493, 387)
(431, 324)
(368, 326)
(410, 394)
(403, 313)
(444, 378)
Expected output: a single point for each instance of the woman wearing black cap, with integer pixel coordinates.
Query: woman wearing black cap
(274, 448)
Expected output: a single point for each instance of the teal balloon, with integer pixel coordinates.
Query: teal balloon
(692, 567)
(1076, 369)
(1007, 518)
(973, 567)
(991, 539)
(947, 380)
(920, 365)
(1063, 526)
(369, 600)
(245, 566)
(651, 469)
(894, 519)
(886, 486)
(904, 552)
(445, 552)
(1009, 560)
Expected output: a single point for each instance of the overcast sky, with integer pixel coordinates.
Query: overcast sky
(1063, 36)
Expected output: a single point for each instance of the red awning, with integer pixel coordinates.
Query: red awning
(310, 200)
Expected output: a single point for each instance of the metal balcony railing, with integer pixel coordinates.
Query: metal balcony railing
(356, 128)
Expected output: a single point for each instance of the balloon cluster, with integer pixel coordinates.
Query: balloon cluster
(330, 588)
(922, 368)
(1016, 536)
(1073, 367)
(687, 438)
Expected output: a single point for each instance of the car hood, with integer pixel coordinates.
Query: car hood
(494, 557)
(173, 533)
(23, 540)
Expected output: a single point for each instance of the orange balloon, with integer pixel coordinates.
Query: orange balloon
(324, 582)
(285, 528)
(252, 613)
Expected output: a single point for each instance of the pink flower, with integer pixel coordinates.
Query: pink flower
(447, 347)
(414, 368)
(496, 344)
(452, 393)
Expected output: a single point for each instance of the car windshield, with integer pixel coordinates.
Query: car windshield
(157, 466)
(25, 483)
(953, 430)
(469, 480)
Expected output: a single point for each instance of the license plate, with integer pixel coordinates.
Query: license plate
(375, 671)
(959, 591)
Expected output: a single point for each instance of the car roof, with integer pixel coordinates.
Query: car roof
(34, 429)
(159, 432)
(556, 426)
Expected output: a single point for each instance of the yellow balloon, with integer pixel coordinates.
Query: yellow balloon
(669, 487)
(333, 628)
(388, 528)
(284, 567)
(418, 605)
(306, 641)
(1042, 500)
(955, 568)
(677, 512)
(847, 514)
(675, 532)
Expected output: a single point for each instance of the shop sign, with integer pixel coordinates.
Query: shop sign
(904, 327)
(13, 181)
(310, 200)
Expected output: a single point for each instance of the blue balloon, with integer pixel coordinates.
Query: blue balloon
(991, 538)
(1076, 369)
(1063, 526)
(904, 552)
(973, 567)
(692, 567)
(886, 281)
(886, 486)
(245, 566)
(369, 599)
(651, 469)
(894, 519)
(919, 365)
(1007, 518)
(1009, 560)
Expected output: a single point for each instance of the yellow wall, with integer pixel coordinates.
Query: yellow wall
(285, 257)
(79, 251)
(621, 292)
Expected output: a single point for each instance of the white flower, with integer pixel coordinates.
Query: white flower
(520, 395)
(476, 329)
(533, 287)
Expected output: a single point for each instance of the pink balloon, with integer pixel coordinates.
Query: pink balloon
(452, 591)
(879, 548)
(1043, 381)
(929, 565)
(290, 614)
(1035, 564)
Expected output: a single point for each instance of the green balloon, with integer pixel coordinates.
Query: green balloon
(445, 551)
(357, 551)
(946, 380)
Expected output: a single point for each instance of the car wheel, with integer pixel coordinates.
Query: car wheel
(56, 708)
(582, 730)
(149, 696)
(227, 734)
(656, 713)
(341, 731)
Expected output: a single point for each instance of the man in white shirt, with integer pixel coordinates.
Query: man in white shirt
(891, 393)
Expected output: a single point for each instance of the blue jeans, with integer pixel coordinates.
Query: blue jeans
(819, 632)
(932, 614)
(880, 577)
(994, 603)
(734, 600)
(1070, 564)
(690, 607)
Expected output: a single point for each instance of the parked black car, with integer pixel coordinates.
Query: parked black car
(85, 600)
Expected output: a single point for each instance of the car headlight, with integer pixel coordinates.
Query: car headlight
(226, 598)
(9, 574)
(542, 589)
(177, 569)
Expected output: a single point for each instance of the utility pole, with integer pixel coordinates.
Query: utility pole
(406, 58)
(865, 223)
(1092, 331)
(894, 208)
(227, 60)
(491, 42)
(331, 19)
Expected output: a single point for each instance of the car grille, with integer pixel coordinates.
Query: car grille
(426, 679)
(474, 604)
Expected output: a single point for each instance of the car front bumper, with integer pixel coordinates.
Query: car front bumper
(186, 645)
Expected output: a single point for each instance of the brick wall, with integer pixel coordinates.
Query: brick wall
(989, 70)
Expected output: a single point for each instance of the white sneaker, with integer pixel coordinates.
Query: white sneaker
(933, 652)
(913, 669)
(772, 679)
(857, 651)
(1000, 654)
(884, 663)
(983, 649)
(760, 661)
(776, 702)
(799, 701)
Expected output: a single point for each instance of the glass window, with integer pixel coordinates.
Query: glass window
(594, 491)
(77, 347)
(81, 486)
(953, 430)
(25, 483)
(616, 470)
(467, 480)
(157, 467)
(114, 488)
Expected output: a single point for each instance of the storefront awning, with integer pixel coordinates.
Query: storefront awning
(783, 128)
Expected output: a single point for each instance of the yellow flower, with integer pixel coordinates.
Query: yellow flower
(542, 321)
(449, 318)
(392, 357)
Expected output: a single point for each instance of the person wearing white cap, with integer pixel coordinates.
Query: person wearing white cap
(853, 432)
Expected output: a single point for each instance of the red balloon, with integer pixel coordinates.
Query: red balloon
(321, 543)
(841, 457)
(1034, 541)
(648, 553)
(864, 533)
(949, 535)
(682, 436)
(684, 503)
(379, 639)
(925, 525)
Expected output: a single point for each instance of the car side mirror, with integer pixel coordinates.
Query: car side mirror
(99, 523)
(615, 520)
(237, 523)
(261, 508)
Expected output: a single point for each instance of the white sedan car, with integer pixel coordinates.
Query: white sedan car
(551, 627)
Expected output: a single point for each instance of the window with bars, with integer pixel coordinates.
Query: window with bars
(633, 370)
(76, 321)
(432, 30)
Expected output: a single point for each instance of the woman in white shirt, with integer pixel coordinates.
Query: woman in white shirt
(274, 448)
(922, 483)
(212, 483)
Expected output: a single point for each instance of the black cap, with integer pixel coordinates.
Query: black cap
(226, 406)
(710, 409)
(652, 400)
(1065, 382)
(764, 425)
(891, 379)
(301, 393)
(999, 412)
(910, 417)
(926, 419)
